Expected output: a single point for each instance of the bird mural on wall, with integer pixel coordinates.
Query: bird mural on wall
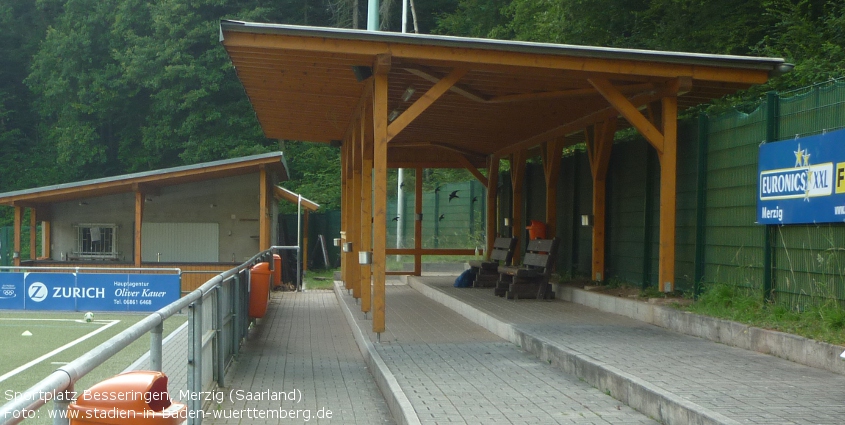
(474, 199)
(453, 195)
(442, 216)
(396, 218)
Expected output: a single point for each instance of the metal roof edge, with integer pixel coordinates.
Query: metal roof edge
(731, 61)
(151, 173)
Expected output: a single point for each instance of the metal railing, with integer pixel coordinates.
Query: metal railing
(217, 324)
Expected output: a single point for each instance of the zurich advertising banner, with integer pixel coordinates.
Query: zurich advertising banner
(802, 180)
(87, 292)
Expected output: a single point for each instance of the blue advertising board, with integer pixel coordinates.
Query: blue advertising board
(11, 291)
(88, 292)
(802, 180)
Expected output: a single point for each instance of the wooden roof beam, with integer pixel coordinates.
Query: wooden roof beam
(432, 77)
(426, 100)
(471, 168)
(561, 94)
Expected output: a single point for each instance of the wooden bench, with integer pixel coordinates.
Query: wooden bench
(531, 280)
(486, 272)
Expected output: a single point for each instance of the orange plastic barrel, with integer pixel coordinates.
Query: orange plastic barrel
(277, 271)
(259, 289)
(537, 230)
(133, 398)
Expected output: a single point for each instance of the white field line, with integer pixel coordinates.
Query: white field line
(56, 351)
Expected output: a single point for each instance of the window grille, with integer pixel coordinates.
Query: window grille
(96, 241)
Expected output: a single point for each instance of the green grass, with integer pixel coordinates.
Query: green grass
(17, 350)
(319, 279)
(824, 322)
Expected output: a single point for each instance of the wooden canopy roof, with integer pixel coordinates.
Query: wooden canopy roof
(148, 180)
(509, 95)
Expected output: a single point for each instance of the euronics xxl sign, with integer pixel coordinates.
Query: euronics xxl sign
(802, 180)
(87, 292)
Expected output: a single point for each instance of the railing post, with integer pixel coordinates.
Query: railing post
(218, 337)
(60, 404)
(236, 314)
(156, 347)
(195, 361)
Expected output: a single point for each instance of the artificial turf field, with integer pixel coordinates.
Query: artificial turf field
(56, 339)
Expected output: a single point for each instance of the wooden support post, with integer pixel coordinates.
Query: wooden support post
(45, 239)
(344, 210)
(418, 208)
(139, 218)
(599, 144)
(382, 67)
(668, 187)
(18, 222)
(263, 207)
(492, 198)
(33, 231)
(517, 178)
(551, 152)
(366, 197)
(353, 231)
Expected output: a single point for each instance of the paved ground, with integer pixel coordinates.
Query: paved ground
(454, 371)
(305, 345)
(745, 386)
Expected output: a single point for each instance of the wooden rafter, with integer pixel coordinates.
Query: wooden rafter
(433, 77)
(421, 104)
(471, 168)
(630, 111)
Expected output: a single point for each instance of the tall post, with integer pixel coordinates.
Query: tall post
(372, 15)
(772, 127)
(418, 208)
(668, 188)
(18, 222)
(701, 203)
(139, 219)
(156, 347)
(492, 196)
(33, 231)
(344, 210)
(354, 231)
(382, 67)
(366, 197)
(517, 178)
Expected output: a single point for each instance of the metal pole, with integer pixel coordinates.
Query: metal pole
(156, 347)
(195, 360)
(372, 15)
(400, 200)
(218, 337)
(404, 30)
(299, 243)
(60, 404)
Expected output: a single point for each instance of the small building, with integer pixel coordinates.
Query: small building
(202, 218)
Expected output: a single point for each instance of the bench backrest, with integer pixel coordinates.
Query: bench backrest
(503, 249)
(541, 254)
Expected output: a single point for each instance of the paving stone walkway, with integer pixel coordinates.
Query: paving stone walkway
(745, 386)
(454, 371)
(304, 345)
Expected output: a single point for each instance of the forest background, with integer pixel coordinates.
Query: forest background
(95, 88)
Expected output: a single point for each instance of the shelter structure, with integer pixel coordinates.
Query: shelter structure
(419, 101)
(201, 218)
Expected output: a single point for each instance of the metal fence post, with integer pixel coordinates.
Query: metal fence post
(701, 204)
(156, 347)
(772, 130)
(60, 404)
(195, 361)
(236, 314)
(218, 337)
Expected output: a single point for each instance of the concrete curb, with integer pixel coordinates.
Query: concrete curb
(790, 347)
(398, 403)
(640, 395)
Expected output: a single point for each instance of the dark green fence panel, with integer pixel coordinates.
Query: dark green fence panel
(734, 250)
(630, 213)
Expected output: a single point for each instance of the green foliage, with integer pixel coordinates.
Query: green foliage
(823, 322)
(315, 173)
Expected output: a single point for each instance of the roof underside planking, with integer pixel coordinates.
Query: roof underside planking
(513, 95)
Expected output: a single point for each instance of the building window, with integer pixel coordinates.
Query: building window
(96, 241)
